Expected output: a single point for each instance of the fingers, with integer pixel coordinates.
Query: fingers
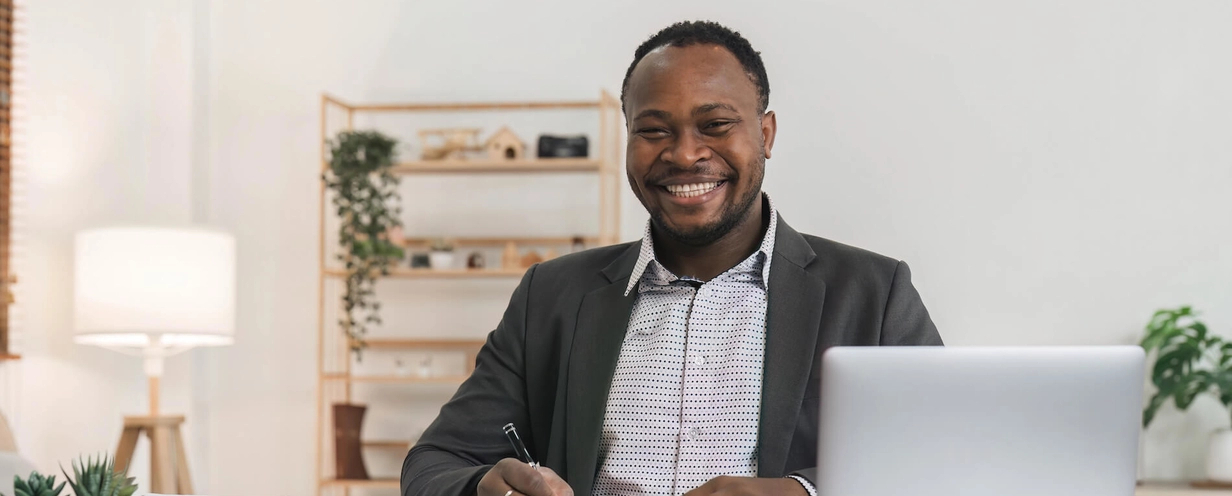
(719, 485)
(558, 485)
(510, 474)
(704, 489)
(496, 487)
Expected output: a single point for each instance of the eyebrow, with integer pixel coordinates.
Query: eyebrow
(709, 107)
(663, 114)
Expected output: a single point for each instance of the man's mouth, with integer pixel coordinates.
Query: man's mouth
(691, 190)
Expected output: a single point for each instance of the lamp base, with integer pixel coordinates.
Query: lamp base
(168, 458)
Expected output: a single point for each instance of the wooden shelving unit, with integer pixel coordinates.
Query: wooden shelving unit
(7, 278)
(439, 273)
(499, 166)
(359, 484)
(389, 444)
(395, 379)
(337, 377)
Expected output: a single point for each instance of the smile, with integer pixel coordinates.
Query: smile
(692, 190)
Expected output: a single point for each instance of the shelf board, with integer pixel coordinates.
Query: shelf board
(425, 242)
(477, 166)
(389, 444)
(361, 483)
(396, 379)
(439, 344)
(9, 356)
(406, 273)
(443, 107)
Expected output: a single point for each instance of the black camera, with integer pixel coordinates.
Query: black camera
(563, 146)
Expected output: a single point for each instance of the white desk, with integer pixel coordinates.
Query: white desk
(1180, 489)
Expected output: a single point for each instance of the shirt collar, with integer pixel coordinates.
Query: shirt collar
(647, 254)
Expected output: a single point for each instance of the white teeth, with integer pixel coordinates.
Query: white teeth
(691, 190)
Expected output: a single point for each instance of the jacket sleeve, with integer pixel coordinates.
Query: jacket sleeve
(906, 321)
(466, 439)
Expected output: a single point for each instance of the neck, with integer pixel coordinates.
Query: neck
(707, 262)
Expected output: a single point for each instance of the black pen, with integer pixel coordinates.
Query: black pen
(512, 433)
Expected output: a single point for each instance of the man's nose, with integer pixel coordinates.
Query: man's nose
(687, 149)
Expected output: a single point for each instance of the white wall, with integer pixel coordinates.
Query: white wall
(1053, 171)
(105, 127)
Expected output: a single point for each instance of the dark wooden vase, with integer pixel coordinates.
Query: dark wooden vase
(348, 449)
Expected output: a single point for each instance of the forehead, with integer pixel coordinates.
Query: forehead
(685, 77)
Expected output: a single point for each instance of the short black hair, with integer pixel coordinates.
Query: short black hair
(689, 33)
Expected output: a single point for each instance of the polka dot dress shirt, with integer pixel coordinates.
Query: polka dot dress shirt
(685, 400)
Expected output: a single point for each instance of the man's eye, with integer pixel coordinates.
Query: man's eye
(716, 125)
(652, 132)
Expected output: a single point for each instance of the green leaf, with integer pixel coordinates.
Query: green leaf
(1199, 330)
(1193, 385)
(1173, 364)
(1225, 354)
(1157, 401)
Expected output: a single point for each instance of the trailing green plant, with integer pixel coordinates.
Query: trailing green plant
(36, 485)
(97, 477)
(1189, 361)
(365, 198)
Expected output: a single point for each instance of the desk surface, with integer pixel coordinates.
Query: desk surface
(1178, 489)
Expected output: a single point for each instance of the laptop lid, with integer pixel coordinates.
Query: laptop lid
(932, 421)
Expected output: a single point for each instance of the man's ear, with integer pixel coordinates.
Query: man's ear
(769, 126)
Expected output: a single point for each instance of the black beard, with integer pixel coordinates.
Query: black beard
(731, 217)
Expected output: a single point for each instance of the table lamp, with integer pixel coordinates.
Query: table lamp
(154, 292)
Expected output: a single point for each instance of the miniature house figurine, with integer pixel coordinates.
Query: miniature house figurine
(504, 145)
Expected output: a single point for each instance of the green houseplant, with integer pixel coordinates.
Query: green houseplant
(1190, 361)
(91, 477)
(97, 477)
(365, 198)
(441, 255)
(36, 485)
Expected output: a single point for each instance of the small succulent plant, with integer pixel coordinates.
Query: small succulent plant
(97, 477)
(36, 485)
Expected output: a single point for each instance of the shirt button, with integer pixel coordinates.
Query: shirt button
(691, 433)
(698, 359)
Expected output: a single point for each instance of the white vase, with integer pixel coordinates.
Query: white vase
(441, 260)
(1219, 456)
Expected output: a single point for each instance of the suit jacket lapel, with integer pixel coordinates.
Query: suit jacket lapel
(602, 321)
(793, 316)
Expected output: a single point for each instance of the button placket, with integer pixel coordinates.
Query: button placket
(691, 455)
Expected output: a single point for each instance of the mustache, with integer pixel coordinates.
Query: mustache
(675, 172)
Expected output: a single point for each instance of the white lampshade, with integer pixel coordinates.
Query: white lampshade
(154, 287)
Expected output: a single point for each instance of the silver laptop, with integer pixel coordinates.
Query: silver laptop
(926, 421)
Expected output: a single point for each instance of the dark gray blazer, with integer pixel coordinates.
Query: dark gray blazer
(548, 365)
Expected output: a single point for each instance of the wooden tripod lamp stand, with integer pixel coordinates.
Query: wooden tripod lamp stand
(155, 292)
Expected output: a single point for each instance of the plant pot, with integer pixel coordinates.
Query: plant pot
(441, 260)
(1219, 457)
(348, 449)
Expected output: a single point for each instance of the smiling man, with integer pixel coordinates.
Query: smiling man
(687, 363)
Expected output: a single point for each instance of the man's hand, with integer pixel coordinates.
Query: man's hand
(748, 486)
(515, 475)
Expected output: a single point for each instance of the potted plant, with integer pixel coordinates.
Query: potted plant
(91, 477)
(365, 198)
(36, 485)
(441, 256)
(1190, 361)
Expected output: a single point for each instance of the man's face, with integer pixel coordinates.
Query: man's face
(698, 141)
